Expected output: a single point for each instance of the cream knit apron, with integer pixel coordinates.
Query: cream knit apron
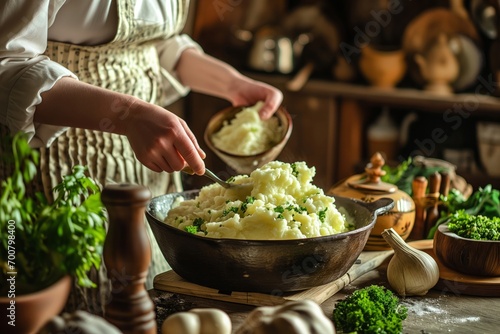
(128, 64)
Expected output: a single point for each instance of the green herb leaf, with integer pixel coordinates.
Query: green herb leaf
(373, 309)
(474, 227)
(65, 237)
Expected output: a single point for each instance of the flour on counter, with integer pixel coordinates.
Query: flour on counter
(429, 309)
(462, 320)
(421, 307)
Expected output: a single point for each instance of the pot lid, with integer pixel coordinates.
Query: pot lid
(372, 182)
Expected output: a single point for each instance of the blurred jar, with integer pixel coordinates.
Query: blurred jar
(383, 136)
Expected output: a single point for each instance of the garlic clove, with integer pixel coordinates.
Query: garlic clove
(411, 272)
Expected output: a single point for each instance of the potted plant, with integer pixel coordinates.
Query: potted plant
(45, 245)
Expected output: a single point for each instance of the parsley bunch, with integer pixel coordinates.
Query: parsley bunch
(48, 240)
(483, 202)
(373, 309)
(474, 227)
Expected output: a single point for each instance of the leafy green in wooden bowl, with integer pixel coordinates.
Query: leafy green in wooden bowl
(483, 202)
(474, 227)
(469, 244)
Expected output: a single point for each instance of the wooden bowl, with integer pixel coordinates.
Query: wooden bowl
(245, 164)
(382, 68)
(468, 256)
(268, 266)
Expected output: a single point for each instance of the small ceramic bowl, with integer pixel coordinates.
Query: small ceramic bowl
(245, 164)
(467, 256)
(382, 68)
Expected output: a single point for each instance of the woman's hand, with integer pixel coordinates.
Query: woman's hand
(246, 91)
(161, 140)
(208, 75)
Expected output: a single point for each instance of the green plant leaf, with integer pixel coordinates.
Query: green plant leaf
(64, 237)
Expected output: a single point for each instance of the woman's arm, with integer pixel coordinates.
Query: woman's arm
(37, 93)
(208, 75)
(161, 140)
(24, 71)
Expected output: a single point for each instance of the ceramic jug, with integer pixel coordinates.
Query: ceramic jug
(368, 187)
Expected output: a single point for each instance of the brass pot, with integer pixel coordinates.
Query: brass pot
(368, 187)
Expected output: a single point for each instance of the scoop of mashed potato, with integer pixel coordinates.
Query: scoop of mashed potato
(247, 134)
(276, 201)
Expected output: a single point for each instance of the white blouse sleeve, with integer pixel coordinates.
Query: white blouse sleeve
(169, 51)
(24, 72)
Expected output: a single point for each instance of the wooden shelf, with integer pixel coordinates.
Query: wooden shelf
(479, 104)
(330, 118)
(354, 101)
(336, 142)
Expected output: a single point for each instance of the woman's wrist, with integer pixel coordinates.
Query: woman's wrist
(237, 83)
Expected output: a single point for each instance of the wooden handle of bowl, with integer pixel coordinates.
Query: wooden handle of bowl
(127, 255)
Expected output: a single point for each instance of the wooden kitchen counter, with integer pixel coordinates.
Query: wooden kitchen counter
(443, 310)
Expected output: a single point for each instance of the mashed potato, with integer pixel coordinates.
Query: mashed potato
(276, 201)
(247, 134)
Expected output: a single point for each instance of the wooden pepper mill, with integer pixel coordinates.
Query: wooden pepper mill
(444, 188)
(432, 214)
(419, 187)
(127, 255)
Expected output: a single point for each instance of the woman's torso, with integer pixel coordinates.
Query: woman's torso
(123, 58)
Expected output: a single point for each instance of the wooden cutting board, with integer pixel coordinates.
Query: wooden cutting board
(368, 260)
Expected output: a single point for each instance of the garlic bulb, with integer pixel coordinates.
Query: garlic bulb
(411, 272)
(198, 321)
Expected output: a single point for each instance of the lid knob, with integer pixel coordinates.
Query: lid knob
(374, 172)
(374, 168)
